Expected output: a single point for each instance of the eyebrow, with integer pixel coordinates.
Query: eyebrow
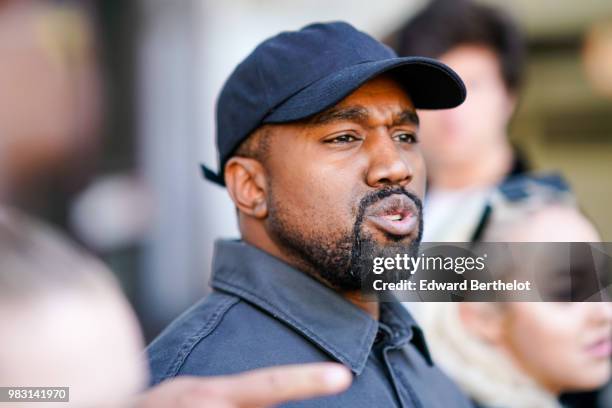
(406, 117)
(351, 113)
(360, 114)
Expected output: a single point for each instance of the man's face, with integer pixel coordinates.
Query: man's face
(346, 185)
(464, 133)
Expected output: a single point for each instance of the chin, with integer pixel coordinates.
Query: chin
(386, 241)
(404, 240)
(593, 378)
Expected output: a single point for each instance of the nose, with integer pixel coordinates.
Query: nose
(388, 164)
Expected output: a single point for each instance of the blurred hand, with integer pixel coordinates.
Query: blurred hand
(258, 388)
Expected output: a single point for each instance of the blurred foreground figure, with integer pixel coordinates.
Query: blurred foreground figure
(525, 354)
(64, 320)
(66, 324)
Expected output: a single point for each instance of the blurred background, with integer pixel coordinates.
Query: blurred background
(108, 109)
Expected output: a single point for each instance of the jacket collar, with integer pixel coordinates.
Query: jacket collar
(317, 312)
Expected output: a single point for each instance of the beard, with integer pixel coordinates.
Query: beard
(341, 259)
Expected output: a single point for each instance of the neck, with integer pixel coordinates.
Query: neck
(370, 307)
(488, 169)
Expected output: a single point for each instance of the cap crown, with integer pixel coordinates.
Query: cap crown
(282, 66)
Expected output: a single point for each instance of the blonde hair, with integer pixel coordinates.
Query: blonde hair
(484, 372)
(481, 369)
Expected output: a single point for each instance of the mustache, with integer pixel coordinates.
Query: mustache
(368, 200)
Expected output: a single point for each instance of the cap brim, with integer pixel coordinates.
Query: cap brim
(429, 83)
(212, 176)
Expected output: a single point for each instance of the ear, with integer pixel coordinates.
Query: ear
(246, 183)
(485, 320)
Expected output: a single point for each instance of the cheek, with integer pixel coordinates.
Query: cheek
(431, 127)
(483, 114)
(491, 103)
(479, 117)
(547, 340)
(541, 330)
(316, 194)
(419, 178)
(449, 134)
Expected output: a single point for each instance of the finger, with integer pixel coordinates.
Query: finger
(271, 386)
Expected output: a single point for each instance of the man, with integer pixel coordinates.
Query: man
(318, 144)
(66, 324)
(467, 149)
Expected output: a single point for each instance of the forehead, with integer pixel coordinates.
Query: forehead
(382, 92)
(466, 56)
(380, 101)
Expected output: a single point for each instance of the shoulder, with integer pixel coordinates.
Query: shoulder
(168, 351)
(223, 334)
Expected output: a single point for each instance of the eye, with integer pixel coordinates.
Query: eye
(407, 138)
(346, 138)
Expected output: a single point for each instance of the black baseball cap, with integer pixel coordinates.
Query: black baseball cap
(297, 74)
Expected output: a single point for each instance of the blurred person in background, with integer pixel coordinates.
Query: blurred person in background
(66, 324)
(51, 116)
(467, 150)
(50, 106)
(525, 354)
(472, 167)
(52, 113)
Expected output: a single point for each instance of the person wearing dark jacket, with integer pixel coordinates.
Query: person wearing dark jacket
(318, 145)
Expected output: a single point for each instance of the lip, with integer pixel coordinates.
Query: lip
(601, 348)
(395, 215)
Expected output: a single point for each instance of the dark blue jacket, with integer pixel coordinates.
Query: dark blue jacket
(263, 312)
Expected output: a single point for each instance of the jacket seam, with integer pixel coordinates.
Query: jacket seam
(189, 343)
